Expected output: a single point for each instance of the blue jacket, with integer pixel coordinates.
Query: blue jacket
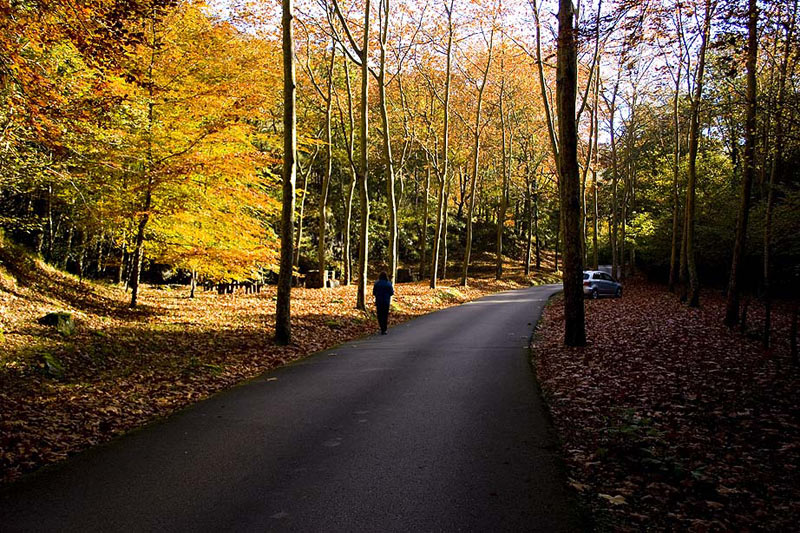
(383, 291)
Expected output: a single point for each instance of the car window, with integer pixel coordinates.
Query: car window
(585, 275)
(605, 276)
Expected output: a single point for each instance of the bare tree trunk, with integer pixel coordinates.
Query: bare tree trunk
(445, 147)
(536, 224)
(193, 283)
(732, 303)
(476, 149)
(423, 238)
(383, 30)
(50, 232)
(363, 250)
(326, 180)
(566, 88)
(501, 213)
(529, 228)
(777, 166)
(622, 226)
(691, 185)
(283, 324)
(348, 256)
(676, 160)
(444, 233)
(675, 253)
(595, 221)
(138, 250)
(68, 247)
(438, 233)
(683, 269)
(122, 259)
(612, 110)
(299, 237)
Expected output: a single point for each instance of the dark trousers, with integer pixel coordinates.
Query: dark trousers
(383, 315)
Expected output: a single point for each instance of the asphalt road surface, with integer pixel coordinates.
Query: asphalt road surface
(436, 426)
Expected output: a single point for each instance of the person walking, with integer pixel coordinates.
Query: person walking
(383, 291)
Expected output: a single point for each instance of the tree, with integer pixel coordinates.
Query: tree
(777, 166)
(360, 56)
(283, 310)
(569, 185)
(691, 184)
(476, 150)
(383, 35)
(748, 171)
(442, 171)
(327, 98)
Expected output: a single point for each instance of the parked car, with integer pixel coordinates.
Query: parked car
(597, 283)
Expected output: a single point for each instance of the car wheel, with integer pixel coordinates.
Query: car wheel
(618, 294)
(595, 294)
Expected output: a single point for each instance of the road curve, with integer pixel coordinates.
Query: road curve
(434, 427)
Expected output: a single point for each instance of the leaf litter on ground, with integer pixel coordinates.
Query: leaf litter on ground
(671, 421)
(123, 368)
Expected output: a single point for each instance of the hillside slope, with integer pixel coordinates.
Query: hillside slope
(123, 368)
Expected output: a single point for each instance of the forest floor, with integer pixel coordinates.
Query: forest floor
(669, 420)
(124, 368)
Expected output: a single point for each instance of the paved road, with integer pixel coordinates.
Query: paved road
(434, 427)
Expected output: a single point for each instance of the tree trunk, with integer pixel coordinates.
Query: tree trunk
(50, 233)
(622, 226)
(748, 172)
(476, 149)
(596, 218)
(326, 180)
(445, 148)
(68, 246)
(777, 166)
(363, 193)
(501, 213)
(614, 185)
(437, 238)
(348, 256)
(193, 283)
(444, 233)
(138, 250)
(423, 238)
(283, 323)
(383, 27)
(529, 229)
(691, 185)
(566, 88)
(299, 237)
(122, 258)
(676, 160)
(536, 225)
